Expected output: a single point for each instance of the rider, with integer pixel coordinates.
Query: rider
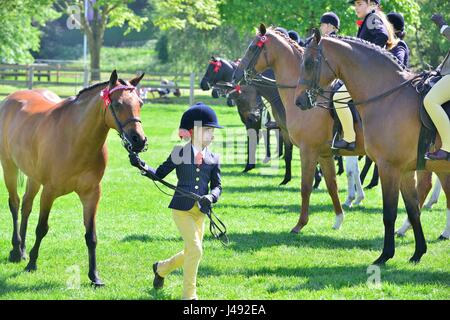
(196, 167)
(401, 50)
(329, 24)
(375, 28)
(437, 96)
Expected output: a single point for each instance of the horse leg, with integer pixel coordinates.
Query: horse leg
(47, 199)
(329, 173)
(317, 177)
(445, 182)
(252, 142)
(367, 163)
(375, 177)
(423, 188)
(411, 200)
(350, 171)
(280, 143)
(10, 174)
(308, 164)
(360, 195)
(390, 185)
(266, 136)
(90, 201)
(435, 195)
(340, 162)
(27, 204)
(288, 163)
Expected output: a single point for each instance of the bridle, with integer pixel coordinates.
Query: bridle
(251, 77)
(106, 97)
(316, 90)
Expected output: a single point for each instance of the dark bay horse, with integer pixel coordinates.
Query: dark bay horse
(250, 107)
(60, 145)
(389, 108)
(311, 130)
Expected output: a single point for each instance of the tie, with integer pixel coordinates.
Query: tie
(198, 159)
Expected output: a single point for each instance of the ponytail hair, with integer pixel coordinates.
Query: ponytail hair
(392, 40)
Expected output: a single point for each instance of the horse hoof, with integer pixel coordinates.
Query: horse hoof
(295, 230)
(16, 256)
(338, 222)
(285, 181)
(248, 168)
(31, 267)
(381, 261)
(442, 238)
(97, 284)
(400, 235)
(267, 160)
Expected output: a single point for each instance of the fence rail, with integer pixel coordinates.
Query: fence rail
(60, 74)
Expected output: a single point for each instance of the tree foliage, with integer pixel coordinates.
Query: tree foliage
(19, 28)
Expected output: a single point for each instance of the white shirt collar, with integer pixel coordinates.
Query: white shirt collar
(196, 151)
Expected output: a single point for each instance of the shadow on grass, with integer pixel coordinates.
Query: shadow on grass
(336, 277)
(257, 240)
(7, 287)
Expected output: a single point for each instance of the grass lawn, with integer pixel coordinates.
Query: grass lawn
(263, 260)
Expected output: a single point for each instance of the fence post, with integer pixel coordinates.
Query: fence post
(30, 77)
(191, 89)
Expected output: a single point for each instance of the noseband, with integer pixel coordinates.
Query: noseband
(106, 96)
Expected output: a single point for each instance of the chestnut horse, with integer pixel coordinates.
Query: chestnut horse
(311, 130)
(60, 144)
(389, 108)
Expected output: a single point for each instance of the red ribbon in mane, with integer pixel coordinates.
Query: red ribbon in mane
(217, 65)
(359, 23)
(262, 40)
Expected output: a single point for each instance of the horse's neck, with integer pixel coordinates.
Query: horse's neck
(89, 115)
(286, 67)
(364, 81)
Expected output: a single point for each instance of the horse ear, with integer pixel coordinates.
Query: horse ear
(113, 79)
(317, 35)
(262, 29)
(134, 82)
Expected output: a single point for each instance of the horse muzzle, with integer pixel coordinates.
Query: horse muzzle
(135, 142)
(304, 102)
(204, 84)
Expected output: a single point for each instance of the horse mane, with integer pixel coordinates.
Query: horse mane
(373, 47)
(293, 43)
(95, 86)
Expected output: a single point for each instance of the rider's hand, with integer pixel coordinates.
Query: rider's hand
(438, 20)
(136, 161)
(206, 202)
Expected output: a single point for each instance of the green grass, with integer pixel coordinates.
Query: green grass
(263, 261)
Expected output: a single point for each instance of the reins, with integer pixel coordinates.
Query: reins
(218, 230)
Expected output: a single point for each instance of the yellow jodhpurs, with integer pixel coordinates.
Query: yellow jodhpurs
(344, 114)
(433, 102)
(191, 226)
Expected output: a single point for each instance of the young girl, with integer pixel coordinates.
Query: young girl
(401, 50)
(374, 28)
(329, 24)
(196, 167)
(437, 96)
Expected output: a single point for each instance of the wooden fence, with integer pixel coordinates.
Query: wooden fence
(60, 74)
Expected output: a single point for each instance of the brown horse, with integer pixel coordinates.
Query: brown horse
(389, 109)
(61, 146)
(310, 130)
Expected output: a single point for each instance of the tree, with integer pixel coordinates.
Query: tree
(105, 14)
(19, 30)
(179, 14)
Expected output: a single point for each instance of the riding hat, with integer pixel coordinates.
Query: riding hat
(201, 113)
(397, 21)
(331, 18)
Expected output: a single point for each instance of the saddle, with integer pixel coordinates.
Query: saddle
(423, 84)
